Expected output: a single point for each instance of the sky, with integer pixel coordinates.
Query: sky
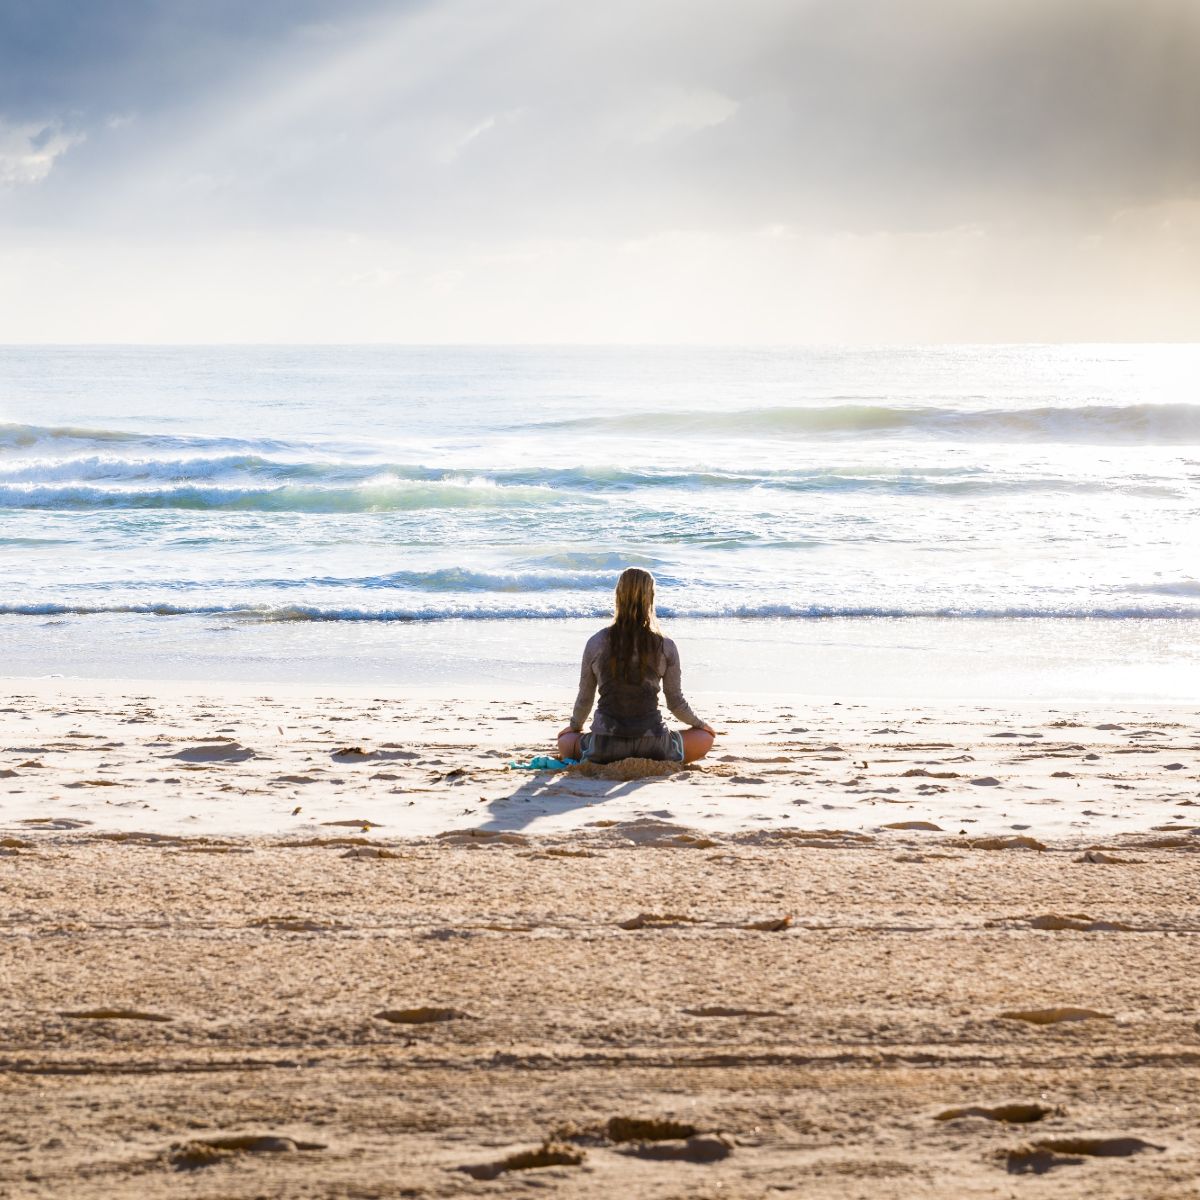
(635, 171)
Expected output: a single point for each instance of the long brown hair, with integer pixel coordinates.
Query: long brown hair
(634, 631)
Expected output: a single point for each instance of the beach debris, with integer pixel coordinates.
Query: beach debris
(369, 852)
(921, 773)
(986, 781)
(548, 1154)
(1055, 1016)
(1010, 1114)
(915, 825)
(191, 1155)
(421, 1016)
(114, 1014)
(361, 823)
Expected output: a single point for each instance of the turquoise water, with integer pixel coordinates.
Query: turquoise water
(237, 486)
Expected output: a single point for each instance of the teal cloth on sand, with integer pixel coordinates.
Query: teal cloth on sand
(543, 762)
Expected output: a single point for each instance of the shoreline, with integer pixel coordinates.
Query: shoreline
(914, 660)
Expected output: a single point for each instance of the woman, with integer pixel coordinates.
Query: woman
(628, 661)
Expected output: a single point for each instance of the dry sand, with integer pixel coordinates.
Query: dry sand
(734, 981)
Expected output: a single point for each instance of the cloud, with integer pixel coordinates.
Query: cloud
(626, 118)
(28, 151)
(664, 149)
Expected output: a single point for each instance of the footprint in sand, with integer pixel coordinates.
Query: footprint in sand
(1055, 1016)
(291, 925)
(770, 924)
(548, 1154)
(707, 1148)
(1010, 842)
(717, 1010)
(114, 1014)
(482, 837)
(422, 1016)
(1079, 922)
(646, 1129)
(189, 1156)
(213, 752)
(659, 1139)
(1041, 1156)
(1010, 1114)
(656, 921)
(1102, 856)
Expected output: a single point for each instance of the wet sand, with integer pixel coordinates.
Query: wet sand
(623, 988)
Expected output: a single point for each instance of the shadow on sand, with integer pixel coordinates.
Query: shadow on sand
(551, 795)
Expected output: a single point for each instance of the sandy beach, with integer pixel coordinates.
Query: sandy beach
(287, 942)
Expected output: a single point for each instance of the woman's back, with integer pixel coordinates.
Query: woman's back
(627, 662)
(628, 702)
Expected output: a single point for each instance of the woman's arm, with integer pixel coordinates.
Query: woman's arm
(588, 678)
(673, 689)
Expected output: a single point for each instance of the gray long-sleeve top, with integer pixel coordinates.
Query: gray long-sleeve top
(593, 668)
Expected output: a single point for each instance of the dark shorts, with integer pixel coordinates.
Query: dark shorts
(612, 747)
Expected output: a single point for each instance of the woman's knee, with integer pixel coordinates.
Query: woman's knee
(696, 744)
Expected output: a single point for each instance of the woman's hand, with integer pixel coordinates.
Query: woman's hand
(567, 731)
(707, 728)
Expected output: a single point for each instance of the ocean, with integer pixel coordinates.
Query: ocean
(395, 513)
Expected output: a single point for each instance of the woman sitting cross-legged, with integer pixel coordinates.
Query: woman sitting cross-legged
(628, 661)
